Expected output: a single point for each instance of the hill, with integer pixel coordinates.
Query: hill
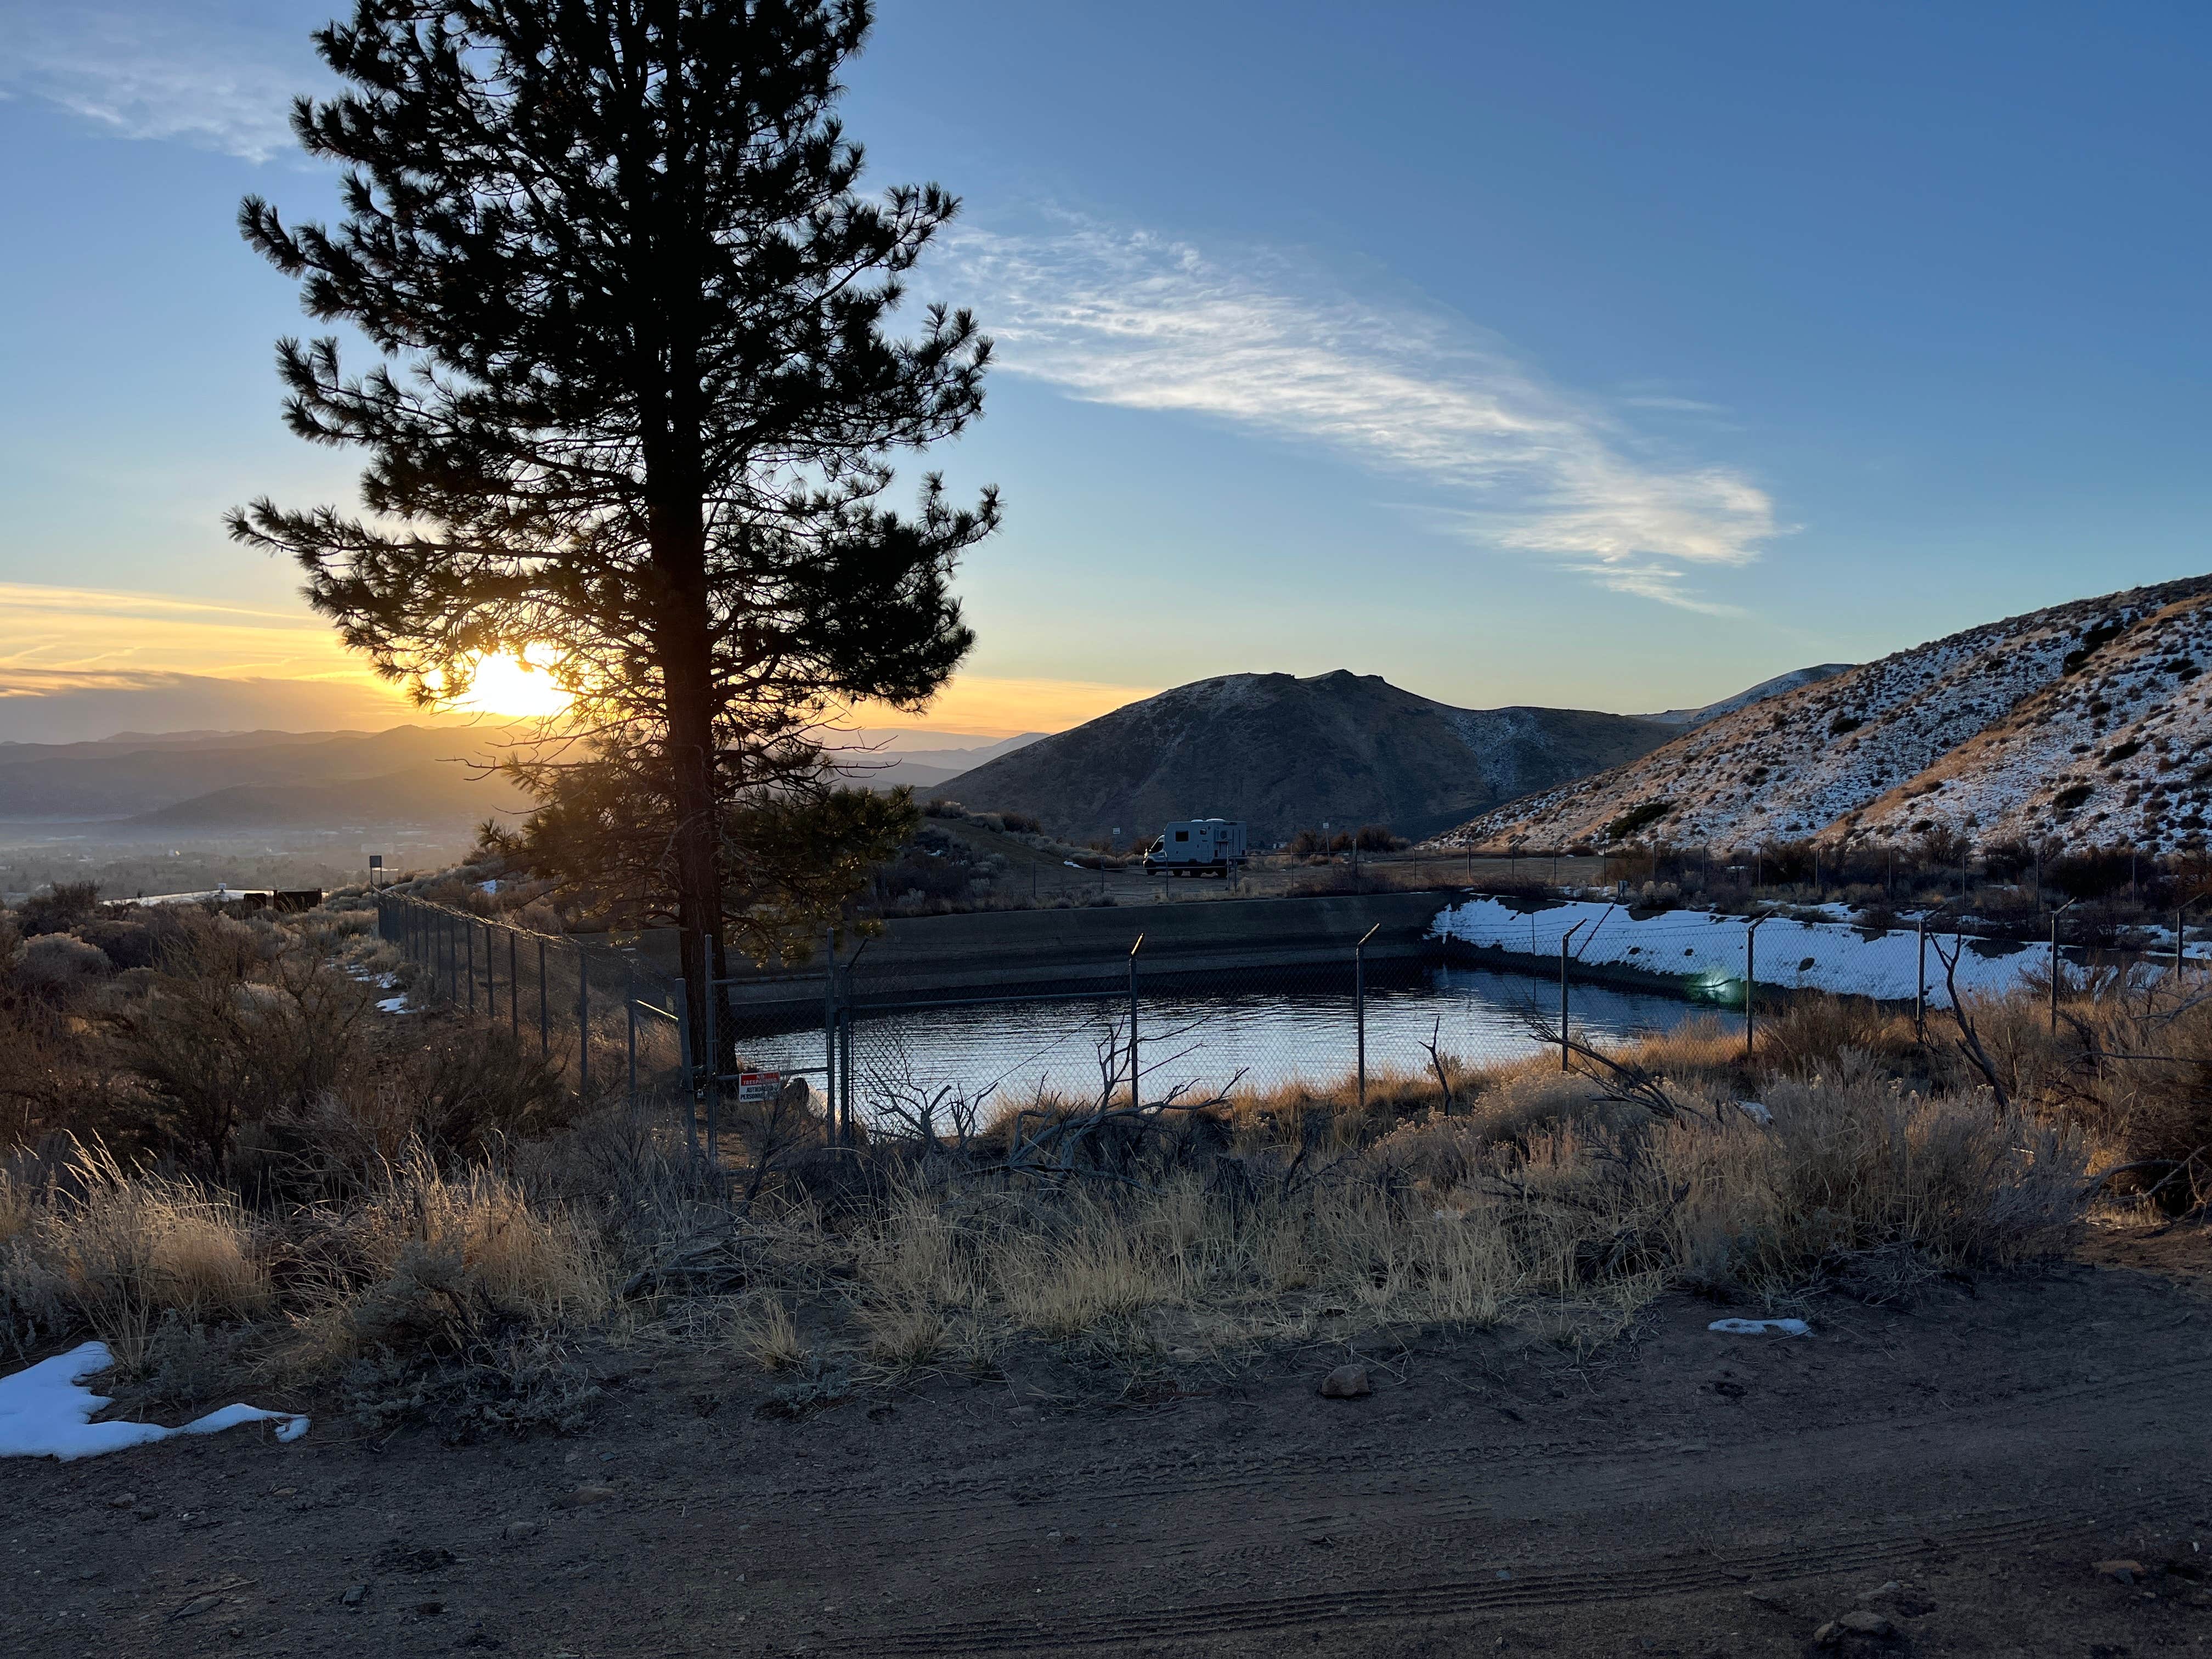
(429, 793)
(2086, 723)
(1285, 754)
(1759, 693)
(127, 776)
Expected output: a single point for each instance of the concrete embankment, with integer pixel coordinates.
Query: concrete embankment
(1039, 951)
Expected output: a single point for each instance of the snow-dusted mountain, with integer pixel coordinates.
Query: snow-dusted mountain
(1759, 693)
(2088, 723)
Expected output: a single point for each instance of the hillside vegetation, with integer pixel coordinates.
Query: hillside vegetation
(2083, 726)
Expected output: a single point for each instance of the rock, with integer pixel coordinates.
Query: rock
(1859, 1621)
(1347, 1383)
(129, 1500)
(352, 1597)
(583, 1496)
(1185, 1356)
(520, 1529)
(2121, 1572)
(197, 1606)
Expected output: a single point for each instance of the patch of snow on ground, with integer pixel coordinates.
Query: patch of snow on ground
(45, 1411)
(1760, 1326)
(392, 1005)
(1694, 944)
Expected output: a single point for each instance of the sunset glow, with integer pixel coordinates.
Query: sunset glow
(514, 685)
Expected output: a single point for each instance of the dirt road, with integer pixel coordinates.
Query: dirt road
(1954, 1470)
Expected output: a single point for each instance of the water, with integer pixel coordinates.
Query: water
(1016, 1049)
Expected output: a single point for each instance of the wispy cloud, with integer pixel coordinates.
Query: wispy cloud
(52, 631)
(145, 74)
(1144, 322)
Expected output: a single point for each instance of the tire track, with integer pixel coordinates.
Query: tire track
(1499, 1593)
(1259, 1475)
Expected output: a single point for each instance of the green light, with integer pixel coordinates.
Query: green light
(1717, 987)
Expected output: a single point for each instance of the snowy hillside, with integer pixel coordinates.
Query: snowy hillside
(2088, 723)
(1759, 693)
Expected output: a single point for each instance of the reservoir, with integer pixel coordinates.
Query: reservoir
(979, 1049)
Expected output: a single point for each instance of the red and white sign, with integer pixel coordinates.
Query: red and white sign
(759, 1085)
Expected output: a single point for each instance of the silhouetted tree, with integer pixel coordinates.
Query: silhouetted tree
(637, 404)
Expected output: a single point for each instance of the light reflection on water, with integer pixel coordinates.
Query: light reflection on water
(1018, 1049)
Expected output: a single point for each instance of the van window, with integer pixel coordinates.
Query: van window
(1182, 835)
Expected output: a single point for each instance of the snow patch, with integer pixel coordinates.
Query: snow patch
(1760, 1326)
(46, 1411)
(1702, 949)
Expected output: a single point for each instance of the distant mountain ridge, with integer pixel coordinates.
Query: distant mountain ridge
(2086, 723)
(1284, 754)
(1759, 693)
(423, 773)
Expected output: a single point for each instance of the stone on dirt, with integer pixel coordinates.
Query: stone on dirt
(1859, 1621)
(2121, 1572)
(1347, 1383)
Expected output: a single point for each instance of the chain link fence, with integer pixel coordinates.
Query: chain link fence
(606, 1024)
(865, 1046)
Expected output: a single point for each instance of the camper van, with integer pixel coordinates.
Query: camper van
(1197, 847)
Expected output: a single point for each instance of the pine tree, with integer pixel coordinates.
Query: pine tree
(636, 404)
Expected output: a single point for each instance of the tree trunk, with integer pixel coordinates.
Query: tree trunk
(687, 676)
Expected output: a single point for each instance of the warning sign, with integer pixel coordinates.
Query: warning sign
(759, 1085)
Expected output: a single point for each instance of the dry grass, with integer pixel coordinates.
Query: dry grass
(365, 1215)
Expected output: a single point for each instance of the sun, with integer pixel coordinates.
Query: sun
(516, 684)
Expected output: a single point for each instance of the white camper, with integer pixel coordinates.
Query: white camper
(1197, 847)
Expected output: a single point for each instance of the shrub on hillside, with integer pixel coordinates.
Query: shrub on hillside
(57, 965)
(59, 908)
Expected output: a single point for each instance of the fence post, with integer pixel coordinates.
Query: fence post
(690, 1076)
(845, 1077)
(468, 945)
(1564, 939)
(829, 1023)
(1920, 986)
(583, 1020)
(713, 1047)
(630, 1013)
(514, 986)
(1359, 1005)
(1135, 1099)
(2054, 972)
(544, 1008)
(1751, 977)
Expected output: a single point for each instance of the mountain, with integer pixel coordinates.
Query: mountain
(129, 777)
(59, 705)
(1284, 754)
(2088, 723)
(1759, 693)
(886, 765)
(428, 793)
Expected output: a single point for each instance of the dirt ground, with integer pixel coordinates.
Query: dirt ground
(1952, 1471)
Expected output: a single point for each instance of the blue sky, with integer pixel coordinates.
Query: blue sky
(1607, 355)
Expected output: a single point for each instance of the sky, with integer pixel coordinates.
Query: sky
(1609, 356)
